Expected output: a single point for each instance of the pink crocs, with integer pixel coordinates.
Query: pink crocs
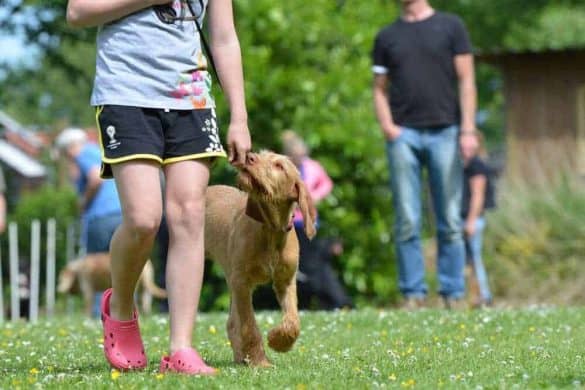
(122, 342)
(186, 361)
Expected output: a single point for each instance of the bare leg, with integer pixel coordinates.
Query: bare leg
(138, 184)
(186, 182)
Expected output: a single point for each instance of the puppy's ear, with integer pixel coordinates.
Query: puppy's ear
(307, 208)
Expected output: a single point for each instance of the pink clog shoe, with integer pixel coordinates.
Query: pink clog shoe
(122, 342)
(186, 361)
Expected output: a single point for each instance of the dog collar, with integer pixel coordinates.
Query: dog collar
(254, 211)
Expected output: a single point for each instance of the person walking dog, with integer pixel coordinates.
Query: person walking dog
(154, 108)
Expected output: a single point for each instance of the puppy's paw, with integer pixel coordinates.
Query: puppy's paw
(260, 361)
(264, 363)
(282, 339)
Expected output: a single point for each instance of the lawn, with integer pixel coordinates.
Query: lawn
(529, 348)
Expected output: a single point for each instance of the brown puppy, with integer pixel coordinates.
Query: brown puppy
(92, 273)
(251, 235)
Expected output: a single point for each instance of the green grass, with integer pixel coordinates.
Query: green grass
(529, 348)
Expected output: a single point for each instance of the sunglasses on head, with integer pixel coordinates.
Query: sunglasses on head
(167, 14)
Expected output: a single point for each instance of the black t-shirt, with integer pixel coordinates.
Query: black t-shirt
(476, 167)
(418, 59)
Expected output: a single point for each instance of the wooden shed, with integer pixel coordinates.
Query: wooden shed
(545, 112)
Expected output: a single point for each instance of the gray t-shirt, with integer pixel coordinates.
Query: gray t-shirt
(144, 62)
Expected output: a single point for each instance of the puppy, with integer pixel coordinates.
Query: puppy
(91, 274)
(250, 234)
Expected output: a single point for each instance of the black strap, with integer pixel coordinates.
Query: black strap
(203, 40)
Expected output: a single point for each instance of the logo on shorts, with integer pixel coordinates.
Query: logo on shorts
(111, 132)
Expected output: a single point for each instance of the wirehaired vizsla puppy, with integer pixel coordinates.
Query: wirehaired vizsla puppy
(250, 233)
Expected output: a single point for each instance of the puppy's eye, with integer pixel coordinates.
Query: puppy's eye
(279, 166)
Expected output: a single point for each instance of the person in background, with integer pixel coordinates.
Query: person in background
(100, 208)
(316, 276)
(424, 94)
(478, 196)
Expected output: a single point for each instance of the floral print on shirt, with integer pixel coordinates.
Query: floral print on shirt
(195, 85)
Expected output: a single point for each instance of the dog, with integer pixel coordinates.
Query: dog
(91, 274)
(250, 233)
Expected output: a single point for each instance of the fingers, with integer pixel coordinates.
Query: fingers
(237, 154)
(231, 153)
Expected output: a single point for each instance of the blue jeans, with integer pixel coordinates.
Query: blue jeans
(473, 246)
(99, 232)
(438, 151)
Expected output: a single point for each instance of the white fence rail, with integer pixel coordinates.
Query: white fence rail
(22, 290)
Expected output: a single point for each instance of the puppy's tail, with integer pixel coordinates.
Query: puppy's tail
(147, 280)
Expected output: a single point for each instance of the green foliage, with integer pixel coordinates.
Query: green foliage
(492, 23)
(310, 71)
(307, 67)
(44, 204)
(534, 244)
(365, 349)
(557, 27)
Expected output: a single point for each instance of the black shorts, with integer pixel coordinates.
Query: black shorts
(166, 136)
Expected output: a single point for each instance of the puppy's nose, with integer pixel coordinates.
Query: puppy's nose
(251, 158)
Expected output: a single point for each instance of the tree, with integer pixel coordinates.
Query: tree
(307, 67)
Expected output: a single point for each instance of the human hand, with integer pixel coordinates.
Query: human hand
(392, 132)
(239, 143)
(469, 227)
(336, 248)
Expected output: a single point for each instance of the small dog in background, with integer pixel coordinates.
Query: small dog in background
(91, 274)
(251, 235)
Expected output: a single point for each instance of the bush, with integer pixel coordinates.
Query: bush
(534, 245)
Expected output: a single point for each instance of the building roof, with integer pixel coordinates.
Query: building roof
(498, 56)
(20, 161)
(11, 125)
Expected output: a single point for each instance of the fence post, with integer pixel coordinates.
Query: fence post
(70, 253)
(13, 253)
(35, 260)
(50, 280)
(1, 290)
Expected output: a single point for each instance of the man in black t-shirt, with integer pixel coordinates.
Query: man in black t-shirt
(424, 93)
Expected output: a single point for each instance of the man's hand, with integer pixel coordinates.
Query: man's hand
(239, 143)
(392, 132)
(469, 227)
